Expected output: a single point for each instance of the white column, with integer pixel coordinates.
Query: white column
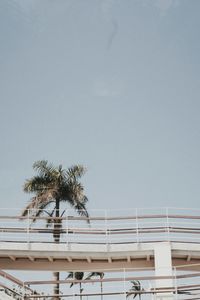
(163, 267)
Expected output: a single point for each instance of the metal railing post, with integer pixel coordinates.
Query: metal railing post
(67, 229)
(73, 278)
(175, 283)
(124, 273)
(137, 226)
(28, 227)
(106, 228)
(167, 224)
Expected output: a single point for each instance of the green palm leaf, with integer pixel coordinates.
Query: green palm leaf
(136, 287)
(94, 274)
(53, 185)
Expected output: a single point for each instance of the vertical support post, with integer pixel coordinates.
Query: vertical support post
(124, 273)
(28, 227)
(175, 283)
(137, 226)
(167, 224)
(163, 267)
(106, 228)
(67, 229)
(73, 286)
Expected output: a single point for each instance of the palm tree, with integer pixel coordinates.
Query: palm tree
(97, 274)
(77, 276)
(136, 287)
(51, 186)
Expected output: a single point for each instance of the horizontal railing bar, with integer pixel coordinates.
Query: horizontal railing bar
(142, 292)
(103, 294)
(153, 291)
(11, 278)
(75, 218)
(102, 231)
(193, 298)
(8, 288)
(114, 279)
(14, 280)
(133, 241)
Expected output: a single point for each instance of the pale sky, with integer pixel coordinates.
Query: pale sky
(111, 84)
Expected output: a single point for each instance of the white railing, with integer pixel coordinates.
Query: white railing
(103, 226)
(12, 288)
(119, 285)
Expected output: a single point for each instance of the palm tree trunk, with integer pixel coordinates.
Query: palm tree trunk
(57, 224)
(101, 290)
(80, 292)
(56, 289)
(56, 235)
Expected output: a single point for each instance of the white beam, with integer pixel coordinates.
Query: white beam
(63, 265)
(163, 267)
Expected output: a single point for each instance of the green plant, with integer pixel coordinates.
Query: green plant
(77, 276)
(97, 274)
(51, 186)
(135, 289)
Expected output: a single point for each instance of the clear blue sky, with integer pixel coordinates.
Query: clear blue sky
(111, 84)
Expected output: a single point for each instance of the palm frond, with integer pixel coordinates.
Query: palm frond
(84, 199)
(70, 275)
(73, 194)
(43, 167)
(75, 172)
(62, 214)
(79, 275)
(31, 205)
(82, 211)
(136, 287)
(75, 190)
(53, 183)
(37, 184)
(37, 204)
(76, 276)
(95, 274)
(50, 218)
(41, 208)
